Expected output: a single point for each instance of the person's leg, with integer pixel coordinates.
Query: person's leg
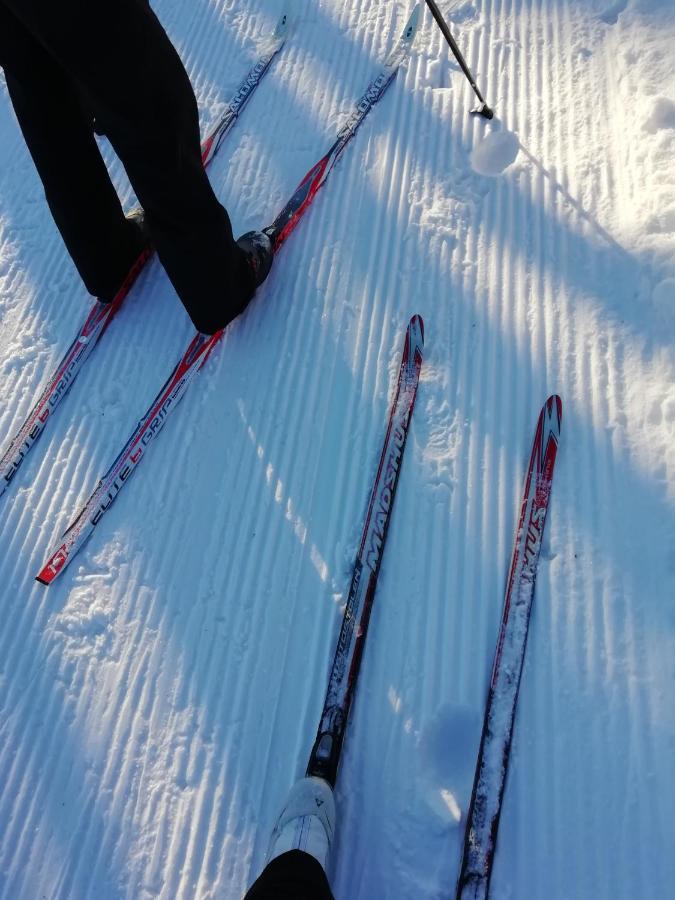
(140, 93)
(80, 195)
(292, 876)
(300, 846)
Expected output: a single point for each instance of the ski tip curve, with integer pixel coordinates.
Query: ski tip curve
(416, 327)
(552, 412)
(415, 340)
(555, 398)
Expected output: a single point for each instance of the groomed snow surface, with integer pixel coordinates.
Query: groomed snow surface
(157, 702)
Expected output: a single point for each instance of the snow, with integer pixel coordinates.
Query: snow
(495, 153)
(158, 701)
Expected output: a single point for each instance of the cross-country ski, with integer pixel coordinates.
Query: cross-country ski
(325, 756)
(500, 709)
(307, 821)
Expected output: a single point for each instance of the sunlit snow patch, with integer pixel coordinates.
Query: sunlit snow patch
(495, 153)
(451, 803)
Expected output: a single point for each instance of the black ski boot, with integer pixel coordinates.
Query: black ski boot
(259, 254)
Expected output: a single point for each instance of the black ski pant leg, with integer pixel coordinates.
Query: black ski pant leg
(134, 81)
(58, 133)
(292, 876)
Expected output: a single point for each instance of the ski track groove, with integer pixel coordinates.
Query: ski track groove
(155, 707)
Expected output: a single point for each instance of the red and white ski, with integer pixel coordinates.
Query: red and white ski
(101, 314)
(325, 755)
(201, 345)
(495, 745)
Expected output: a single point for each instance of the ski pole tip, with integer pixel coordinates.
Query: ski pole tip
(483, 110)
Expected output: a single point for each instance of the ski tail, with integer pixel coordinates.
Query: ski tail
(101, 314)
(500, 709)
(129, 458)
(325, 755)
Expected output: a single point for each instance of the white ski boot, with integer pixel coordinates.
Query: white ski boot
(306, 822)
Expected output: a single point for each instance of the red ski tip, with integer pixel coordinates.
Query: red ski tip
(415, 338)
(418, 322)
(555, 398)
(551, 415)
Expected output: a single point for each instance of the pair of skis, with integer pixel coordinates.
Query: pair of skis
(201, 345)
(493, 757)
(101, 314)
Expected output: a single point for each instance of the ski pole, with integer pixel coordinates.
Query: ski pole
(483, 109)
